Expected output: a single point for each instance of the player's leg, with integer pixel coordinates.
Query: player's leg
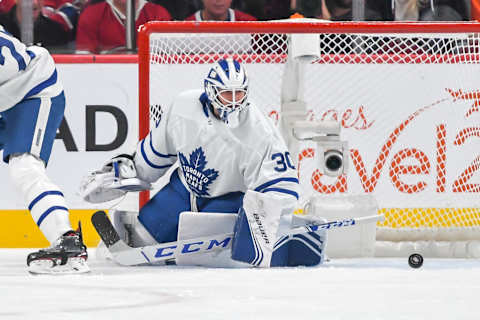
(30, 131)
(228, 203)
(160, 216)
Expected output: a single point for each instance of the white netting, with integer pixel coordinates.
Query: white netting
(408, 104)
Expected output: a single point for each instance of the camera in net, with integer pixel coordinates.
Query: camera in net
(333, 162)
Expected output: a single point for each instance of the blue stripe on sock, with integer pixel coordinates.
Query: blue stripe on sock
(46, 213)
(43, 195)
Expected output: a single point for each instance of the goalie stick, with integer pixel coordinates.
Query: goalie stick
(163, 252)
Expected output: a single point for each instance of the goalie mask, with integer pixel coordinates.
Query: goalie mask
(226, 87)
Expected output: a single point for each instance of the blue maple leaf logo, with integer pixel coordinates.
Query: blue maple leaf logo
(197, 177)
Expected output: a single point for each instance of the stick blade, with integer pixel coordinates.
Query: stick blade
(104, 228)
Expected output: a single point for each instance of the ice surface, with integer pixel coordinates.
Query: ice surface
(341, 289)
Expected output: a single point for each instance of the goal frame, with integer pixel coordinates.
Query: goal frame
(265, 27)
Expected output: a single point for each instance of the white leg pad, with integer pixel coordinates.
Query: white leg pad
(130, 229)
(199, 224)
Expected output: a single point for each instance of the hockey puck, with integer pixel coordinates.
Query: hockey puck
(415, 260)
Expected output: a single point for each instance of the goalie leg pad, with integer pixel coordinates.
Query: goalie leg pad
(244, 248)
(130, 230)
(305, 249)
(204, 224)
(257, 226)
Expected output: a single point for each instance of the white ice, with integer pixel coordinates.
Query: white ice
(340, 289)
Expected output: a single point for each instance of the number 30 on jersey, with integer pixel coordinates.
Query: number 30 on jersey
(283, 161)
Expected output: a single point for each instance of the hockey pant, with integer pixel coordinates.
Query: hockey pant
(31, 126)
(160, 215)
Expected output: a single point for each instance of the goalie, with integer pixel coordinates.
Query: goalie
(225, 147)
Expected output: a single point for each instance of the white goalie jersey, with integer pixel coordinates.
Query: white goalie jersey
(215, 157)
(25, 72)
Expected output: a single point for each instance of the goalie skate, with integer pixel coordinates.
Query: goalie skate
(68, 255)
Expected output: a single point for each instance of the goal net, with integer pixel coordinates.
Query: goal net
(407, 96)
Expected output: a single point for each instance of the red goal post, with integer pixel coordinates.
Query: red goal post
(407, 95)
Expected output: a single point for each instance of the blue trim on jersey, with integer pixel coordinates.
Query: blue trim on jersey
(43, 195)
(47, 83)
(158, 154)
(281, 190)
(272, 182)
(5, 32)
(46, 213)
(4, 42)
(31, 54)
(144, 155)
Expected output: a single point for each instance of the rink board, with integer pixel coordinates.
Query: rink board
(18, 230)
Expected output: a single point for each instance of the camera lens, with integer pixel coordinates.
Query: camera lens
(333, 160)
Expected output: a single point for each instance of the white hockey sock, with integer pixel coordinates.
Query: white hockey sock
(44, 199)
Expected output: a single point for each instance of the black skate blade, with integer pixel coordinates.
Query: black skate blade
(104, 228)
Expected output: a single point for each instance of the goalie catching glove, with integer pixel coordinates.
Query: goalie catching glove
(117, 177)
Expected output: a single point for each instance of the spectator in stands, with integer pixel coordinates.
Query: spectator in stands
(264, 9)
(421, 10)
(307, 8)
(101, 27)
(219, 10)
(54, 21)
(276, 9)
(179, 9)
(341, 10)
